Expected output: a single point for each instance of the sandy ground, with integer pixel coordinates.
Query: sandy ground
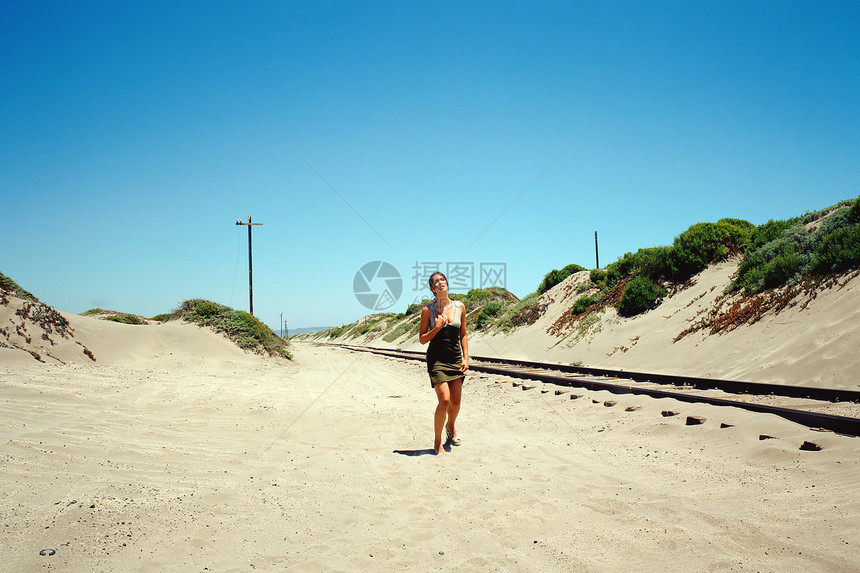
(180, 453)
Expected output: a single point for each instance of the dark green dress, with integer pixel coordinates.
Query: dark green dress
(444, 355)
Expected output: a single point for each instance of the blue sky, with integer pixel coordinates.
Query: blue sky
(135, 134)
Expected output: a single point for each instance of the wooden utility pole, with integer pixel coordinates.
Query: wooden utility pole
(596, 257)
(250, 264)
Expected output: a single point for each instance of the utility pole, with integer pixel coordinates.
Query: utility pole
(282, 325)
(250, 264)
(596, 258)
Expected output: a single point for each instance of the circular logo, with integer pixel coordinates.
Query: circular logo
(377, 285)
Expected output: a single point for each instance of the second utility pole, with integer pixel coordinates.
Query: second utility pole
(250, 264)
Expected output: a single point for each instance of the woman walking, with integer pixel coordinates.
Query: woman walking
(443, 325)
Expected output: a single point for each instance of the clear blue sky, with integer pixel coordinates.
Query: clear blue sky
(133, 135)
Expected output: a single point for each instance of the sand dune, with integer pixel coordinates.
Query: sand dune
(174, 451)
(812, 344)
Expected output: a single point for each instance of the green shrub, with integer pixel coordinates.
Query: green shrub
(838, 220)
(640, 294)
(401, 329)
(751, 282)
(657, 263)
(207, 309)
(582, 304)
(597, 276)
(613, 274)
(854, 212)
(740, 231)
(770, 231)
(114, 316)
(126, 319)
(555, 276)
(487, 314)
(95, 311)
(241, 327)
(692, 251)
(524, 312)
(8, 284)
(415, 307)
(573, 268)
(782, 268)
(161, 317)
(478, 297)
(776, 262)
(795, 252)
(705, 243)
(839, 251)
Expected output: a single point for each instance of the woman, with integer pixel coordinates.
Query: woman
(443, 325)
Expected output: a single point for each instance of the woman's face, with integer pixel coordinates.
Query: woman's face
(439, 283)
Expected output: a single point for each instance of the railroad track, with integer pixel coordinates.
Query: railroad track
(821, 408)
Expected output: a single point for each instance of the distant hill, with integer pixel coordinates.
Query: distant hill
(308, 329)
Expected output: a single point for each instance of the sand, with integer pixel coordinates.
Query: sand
(175, 451)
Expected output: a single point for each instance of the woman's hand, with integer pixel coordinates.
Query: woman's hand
(441, 321)
(465, 365)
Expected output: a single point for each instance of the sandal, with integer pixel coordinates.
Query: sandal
(454, 441)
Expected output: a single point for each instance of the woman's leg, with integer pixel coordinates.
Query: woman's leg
(443, 394)
(456, 393)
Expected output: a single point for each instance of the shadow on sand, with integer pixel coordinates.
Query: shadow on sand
(426, 452)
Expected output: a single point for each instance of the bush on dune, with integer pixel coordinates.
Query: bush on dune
(241, 327)
(640, 294)
(837, 241)
(784, 251)
(706, 243)
(407, 326)
(487, 314)
(771, 230)
(93, 311)
(115, 316)
(775, 253)
(9, 285)
(127, 319)
(555, 276)
(582, 304)
(522, 313)
(839, 251)
(478, 297)
(598, 277)
(656, 263)
(645, 271)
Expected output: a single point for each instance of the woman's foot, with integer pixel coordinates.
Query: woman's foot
(438, 448)
(453, 438)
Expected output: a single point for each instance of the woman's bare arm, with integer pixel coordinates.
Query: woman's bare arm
(464, 341)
